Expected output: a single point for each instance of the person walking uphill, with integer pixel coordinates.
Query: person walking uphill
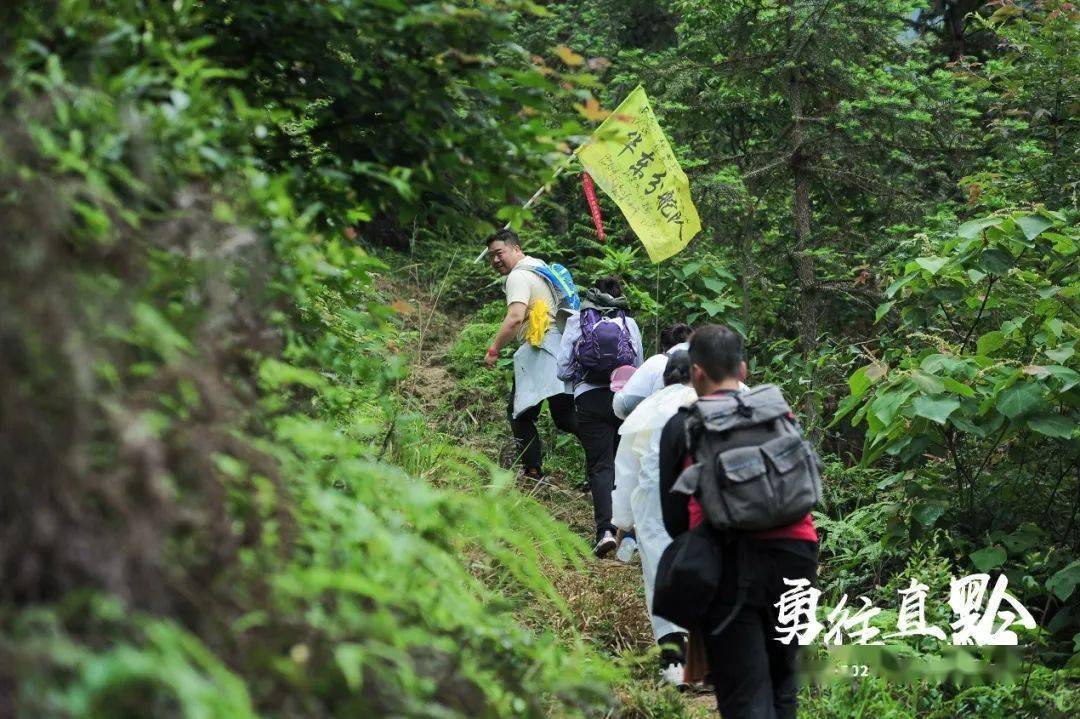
(532, 318)
(636, 498)
(649, 377)
(734, 466)
(597, 340)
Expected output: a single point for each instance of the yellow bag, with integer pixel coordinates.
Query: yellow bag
(537, 323)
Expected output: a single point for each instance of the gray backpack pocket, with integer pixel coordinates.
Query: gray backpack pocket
(762, 487)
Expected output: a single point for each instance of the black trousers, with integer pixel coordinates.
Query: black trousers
(526, 438)
(753, 673)
(598, 429)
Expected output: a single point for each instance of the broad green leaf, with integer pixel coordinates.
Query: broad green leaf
(957, 387)
(890, 480)
(887, 404)
(1053, 425)
(1060, 354)
(1062, 244)
(844, 408)
(1033, 225)
(966, 425)
(990, 342)
(1023, 539)
(1064, 582)
(928, 383)
(1020, 399)
(859, 382)
(715, 285)
(882, 310)
(898, 284)
(972, 228)
(988, 557)
(1005, 12)
(931, 264)
(1069, 378)
(716, 307)
(996, 261)
(928, 514)
(691, 268)
(937, 362)
(936, 409)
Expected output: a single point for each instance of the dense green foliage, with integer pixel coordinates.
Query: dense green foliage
(224, 494)
(213, 503)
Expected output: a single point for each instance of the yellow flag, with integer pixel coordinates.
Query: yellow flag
(631, 160)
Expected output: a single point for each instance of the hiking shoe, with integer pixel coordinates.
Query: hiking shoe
(675, 675)
(605, 545)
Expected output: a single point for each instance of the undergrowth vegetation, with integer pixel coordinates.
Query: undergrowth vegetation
(253, 465)
(215, 503)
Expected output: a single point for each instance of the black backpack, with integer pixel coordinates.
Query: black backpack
(687, 577)
(752, 468)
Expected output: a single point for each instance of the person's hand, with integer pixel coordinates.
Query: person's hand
(491, 357)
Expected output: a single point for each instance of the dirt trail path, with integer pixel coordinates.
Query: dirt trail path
(606, 599)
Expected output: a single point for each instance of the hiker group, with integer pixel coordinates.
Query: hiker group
(710, 483)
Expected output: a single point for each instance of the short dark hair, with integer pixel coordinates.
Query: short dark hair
(676, 334)
(505, 235)
(609, 285)
(718, 350)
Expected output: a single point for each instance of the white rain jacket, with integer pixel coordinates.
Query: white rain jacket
(636, 497)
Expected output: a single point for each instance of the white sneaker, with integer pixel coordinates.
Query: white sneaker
(675, 675)
(604, 545)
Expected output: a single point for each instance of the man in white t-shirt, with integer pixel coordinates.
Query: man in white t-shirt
(535, 377)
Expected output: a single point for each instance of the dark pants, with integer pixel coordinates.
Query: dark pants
(754, 674)
(598, 430)
(527, 439)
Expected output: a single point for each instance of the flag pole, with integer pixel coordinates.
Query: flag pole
(536, 196)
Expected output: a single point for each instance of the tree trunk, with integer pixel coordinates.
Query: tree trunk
(807, 317)
(954, 28)
(747, 260)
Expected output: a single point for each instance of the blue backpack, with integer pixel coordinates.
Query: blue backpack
(562, 285)
(604, 345)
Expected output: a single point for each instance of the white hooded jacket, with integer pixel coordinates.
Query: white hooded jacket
(636, 497)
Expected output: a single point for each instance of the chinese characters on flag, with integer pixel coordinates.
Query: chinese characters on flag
(631, 160)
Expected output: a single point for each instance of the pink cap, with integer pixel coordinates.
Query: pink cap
(620, 376)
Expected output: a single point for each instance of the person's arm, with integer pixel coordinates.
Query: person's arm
(517, 308)
(635, 337)
(627, 467)
(515, 315)
(675, 507)
(564, 368)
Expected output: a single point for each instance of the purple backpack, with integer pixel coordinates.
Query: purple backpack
(604, 345)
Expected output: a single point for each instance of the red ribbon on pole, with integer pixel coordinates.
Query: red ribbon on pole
(594, 206)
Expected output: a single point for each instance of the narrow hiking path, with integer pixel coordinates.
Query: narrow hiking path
(606, 597)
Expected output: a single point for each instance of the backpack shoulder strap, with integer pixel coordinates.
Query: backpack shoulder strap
(693, 425)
